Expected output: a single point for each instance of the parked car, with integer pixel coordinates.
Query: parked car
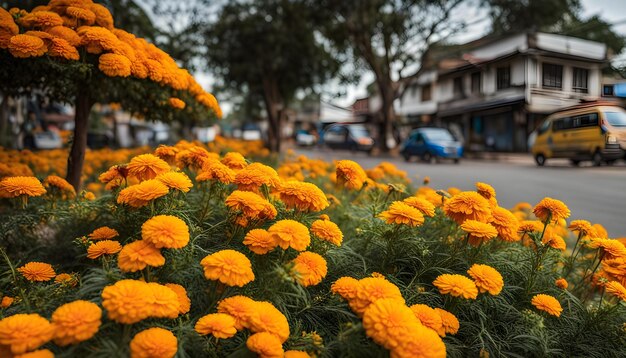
(348, 136)
(594, 131)
(431, 144)
(304, 138)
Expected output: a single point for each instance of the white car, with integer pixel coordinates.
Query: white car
(305, 139)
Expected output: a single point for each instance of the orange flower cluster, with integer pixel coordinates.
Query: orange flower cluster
(230, 267)
(60, 28)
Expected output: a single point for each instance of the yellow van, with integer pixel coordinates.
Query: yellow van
(593, 131)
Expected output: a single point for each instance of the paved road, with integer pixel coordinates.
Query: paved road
(594, 194)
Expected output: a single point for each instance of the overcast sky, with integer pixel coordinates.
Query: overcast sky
(614, 11)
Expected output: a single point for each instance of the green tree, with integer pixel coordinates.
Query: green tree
(389, 38)
(509, 16)
(269, 49)
(556, 16)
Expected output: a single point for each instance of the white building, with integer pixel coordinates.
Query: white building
(496, 91)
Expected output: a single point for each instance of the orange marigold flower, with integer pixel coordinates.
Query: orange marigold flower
(234, 161)
(467, 205)
(6, 301)
(600, 231)
(478, 231)
(137, 255)
(154, 343)
(290, 233)
(213, 169)
(547, 304)
(40, 353)
(486, 278)
(390, 323)
(166, 153)
(265, 344)
(12, 187)
(165, 304)
(76, 322)
(561, 283)
(350, 174)
(423, 205)
(346, 287)
(610, 249)
(25, 332)
(42, 19)
(114, 65)
(616, 289)
(371, 289)
(165, 231)
(428, 316)
(327, 231)
(309, 268)
(296, 354)
(66, 34)
(302, 196)
(85, 16)
(141, 194)
(401, 213)
(582, 227)
(449, 321)
(250, 205)
(505, 223)
(193, 157)
(104, 247)
(103, 16)
(253, 176)
(66, 279)
(551, 208)
(229, 267)
(528, 226)
(487, 192)
(268, 318)
(58, 183)
(456, 285)
(241, 308)
(183, 299)
(220, 325)
(147, 166)
(176, 103)
(37, 271)
(259, 241)
(127, 301)
(175, 180)
(424, 343)
(555, 241)
(103, 233)
(59, 47)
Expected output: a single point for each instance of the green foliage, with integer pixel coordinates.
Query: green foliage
(505, 325)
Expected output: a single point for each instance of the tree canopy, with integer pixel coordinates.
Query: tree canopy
(270, 50)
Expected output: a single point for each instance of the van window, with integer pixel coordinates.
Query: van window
(586, 120)
(544, 127)
(562, 124)
(616, 119)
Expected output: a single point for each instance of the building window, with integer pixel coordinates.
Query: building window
(607, 90)
(458, 87)
(476, 82)
(580, 83)
(552, 76)
(503, 77)
(426, 93)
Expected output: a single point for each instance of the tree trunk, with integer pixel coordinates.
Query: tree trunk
(4, 120)
(272, 101)
(79, 144)
(387, 115)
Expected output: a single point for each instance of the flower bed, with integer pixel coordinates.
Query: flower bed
(190, 252)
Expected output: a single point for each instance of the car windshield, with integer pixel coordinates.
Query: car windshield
(438, 135)
(616, 119)
(359, 132)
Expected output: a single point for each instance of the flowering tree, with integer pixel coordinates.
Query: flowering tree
(73, 52)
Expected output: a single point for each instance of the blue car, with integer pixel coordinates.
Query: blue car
(431, 144)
